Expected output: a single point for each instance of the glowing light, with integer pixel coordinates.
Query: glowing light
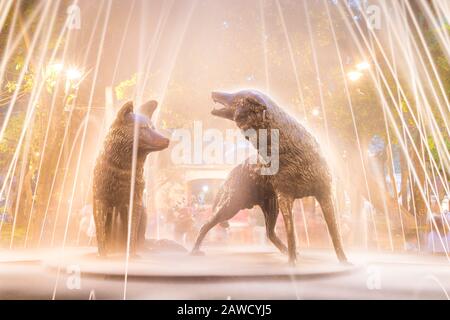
(363, 66)
(55, 68)
(315, 112)
(354, 75)
(73, 74)
(205, 188)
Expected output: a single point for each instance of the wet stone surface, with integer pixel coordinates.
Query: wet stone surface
(222, 273)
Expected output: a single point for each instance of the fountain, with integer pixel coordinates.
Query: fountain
(369, 80)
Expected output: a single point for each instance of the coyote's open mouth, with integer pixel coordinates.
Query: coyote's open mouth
(225, 99)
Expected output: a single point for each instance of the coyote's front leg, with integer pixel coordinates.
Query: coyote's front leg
(100, 211)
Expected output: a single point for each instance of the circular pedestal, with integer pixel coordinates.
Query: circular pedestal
(216, 264)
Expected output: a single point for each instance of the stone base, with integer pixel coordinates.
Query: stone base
(216, 264)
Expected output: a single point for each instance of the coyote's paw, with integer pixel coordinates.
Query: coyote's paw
(197, 253)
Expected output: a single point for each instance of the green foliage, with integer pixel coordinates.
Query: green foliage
(434, 150)
(6, 233)
(10, 139)
(124, 90)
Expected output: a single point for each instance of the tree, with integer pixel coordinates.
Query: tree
(32, 133)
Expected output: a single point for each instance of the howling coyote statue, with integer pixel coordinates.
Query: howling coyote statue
(302, 169)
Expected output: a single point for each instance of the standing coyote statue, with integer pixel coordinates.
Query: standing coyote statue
(113, 175)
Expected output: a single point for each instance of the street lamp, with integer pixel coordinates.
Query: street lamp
(73, 74)
(53, 70)
(73, 78)
(354, 75)
(315, 112)
(69, 76)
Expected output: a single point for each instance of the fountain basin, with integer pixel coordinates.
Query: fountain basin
(216, 264)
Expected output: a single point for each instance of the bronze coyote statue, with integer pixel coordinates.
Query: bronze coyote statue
(113, 175)
(302, 169)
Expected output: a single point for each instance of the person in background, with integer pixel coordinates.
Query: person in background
(183, 225)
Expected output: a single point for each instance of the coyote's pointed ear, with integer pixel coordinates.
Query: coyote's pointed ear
(148, 108)
(125, 110)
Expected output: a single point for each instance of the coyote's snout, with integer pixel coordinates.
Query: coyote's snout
(226, 100)
(150, 140)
